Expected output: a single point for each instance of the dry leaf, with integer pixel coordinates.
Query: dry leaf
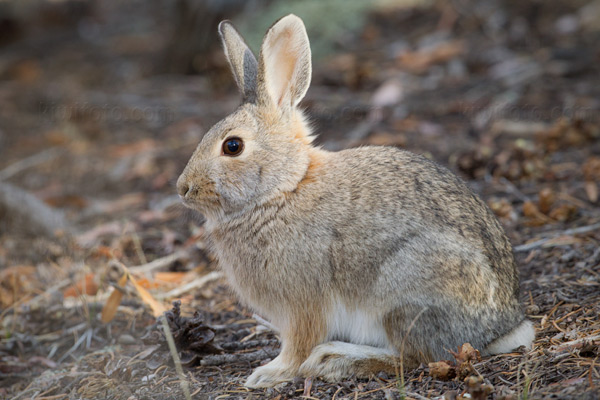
(420, 61)
(87, 286)
(110, 308)
(591, 189)
(16, 282)
(502, 208)
(26, 71)
(147, 283)
(104, 251)
(546, 200)
(442, 370)
(157, 308)
(131, 149)
(477, 388)
(564, 212)
(530, 209)
(536, 217)
(591, 169)
(67, 200)
(170, 277)
(465, 353)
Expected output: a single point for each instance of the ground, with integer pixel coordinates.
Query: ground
(504, 93)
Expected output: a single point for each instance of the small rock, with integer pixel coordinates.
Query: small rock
(127, 339)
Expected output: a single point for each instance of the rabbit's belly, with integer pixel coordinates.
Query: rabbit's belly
(355, 325)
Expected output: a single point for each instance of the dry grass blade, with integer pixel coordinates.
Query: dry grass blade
(157, 308)
(541, 242)
(176, 360)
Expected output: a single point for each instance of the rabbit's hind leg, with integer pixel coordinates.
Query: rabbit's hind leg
(334, 361)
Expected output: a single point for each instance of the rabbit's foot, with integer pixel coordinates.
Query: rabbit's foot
(334, 361)
(271, 374)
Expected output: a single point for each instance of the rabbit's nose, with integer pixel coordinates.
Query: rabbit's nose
(183, 188)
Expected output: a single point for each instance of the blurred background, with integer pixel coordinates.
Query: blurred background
(106, 100)
(103, 102)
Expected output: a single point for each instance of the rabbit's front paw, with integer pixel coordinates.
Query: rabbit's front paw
(270, 375)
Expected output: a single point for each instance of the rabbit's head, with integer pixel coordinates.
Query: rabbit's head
(263, 147)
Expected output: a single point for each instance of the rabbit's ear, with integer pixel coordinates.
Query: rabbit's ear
(285, 66)
(241, 59)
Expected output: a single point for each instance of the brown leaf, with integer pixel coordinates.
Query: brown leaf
(420, 61)
(591, 189)
(546, 200)
(536, 217)
(564, 212)
(26, 71)
(16, 282)
(530, 209)
(465, 353)
(157, 308)
(130, 149)
(67, 200)
(502, 208)
(170, 277)
(591, 169)
(442, 370)
(477, 388)
(87, 286)
(110, 308)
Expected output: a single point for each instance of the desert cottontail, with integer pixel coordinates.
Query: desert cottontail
(362, 258)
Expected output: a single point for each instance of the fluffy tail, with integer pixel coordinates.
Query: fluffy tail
(522, 335)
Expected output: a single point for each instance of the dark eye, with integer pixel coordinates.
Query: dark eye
(233, 146)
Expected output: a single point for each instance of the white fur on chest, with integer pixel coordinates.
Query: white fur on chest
(355, 325)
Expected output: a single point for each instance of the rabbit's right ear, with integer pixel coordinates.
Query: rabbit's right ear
(241, 59)
(285, 65)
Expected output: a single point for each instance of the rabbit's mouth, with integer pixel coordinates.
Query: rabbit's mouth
(200, 204)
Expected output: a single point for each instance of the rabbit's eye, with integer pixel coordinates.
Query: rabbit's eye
(233, 146)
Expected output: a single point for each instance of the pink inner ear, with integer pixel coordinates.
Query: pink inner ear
(281, 65)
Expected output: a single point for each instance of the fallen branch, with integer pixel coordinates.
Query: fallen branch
(574, 344)
(31, 161)
(237, 346)
(159, 262)
(541, 242)
(220, 359)
(195, 284)
(22, 211)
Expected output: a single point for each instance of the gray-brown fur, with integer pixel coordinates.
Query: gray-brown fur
(350, 246)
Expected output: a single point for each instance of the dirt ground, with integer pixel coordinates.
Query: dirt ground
(94, 133)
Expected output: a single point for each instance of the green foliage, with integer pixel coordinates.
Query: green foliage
(326, 21)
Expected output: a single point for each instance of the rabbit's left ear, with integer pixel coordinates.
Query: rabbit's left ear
(285, 65)
(241, 59)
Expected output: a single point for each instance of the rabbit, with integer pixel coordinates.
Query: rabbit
(364, 259)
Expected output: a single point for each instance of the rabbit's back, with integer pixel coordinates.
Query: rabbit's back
(385, 230)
